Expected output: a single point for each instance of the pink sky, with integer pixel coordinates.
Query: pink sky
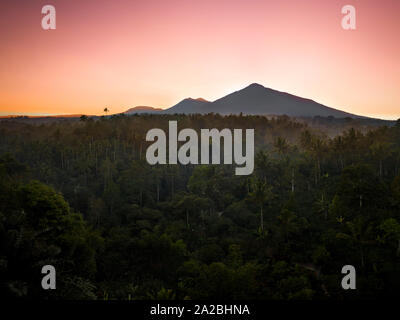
(123, 53)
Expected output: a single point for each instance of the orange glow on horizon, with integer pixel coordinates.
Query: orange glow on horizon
(122, 54)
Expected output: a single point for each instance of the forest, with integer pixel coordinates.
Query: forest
(79, 195)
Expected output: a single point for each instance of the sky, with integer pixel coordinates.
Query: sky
(125, 53)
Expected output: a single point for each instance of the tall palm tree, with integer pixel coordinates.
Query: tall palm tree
(261, 193)
(315, 147)
(381, 151)
(281, 147)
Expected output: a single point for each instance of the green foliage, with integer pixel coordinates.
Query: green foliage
(38, 228)
(82, 198)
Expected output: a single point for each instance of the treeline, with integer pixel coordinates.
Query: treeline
(80, 195)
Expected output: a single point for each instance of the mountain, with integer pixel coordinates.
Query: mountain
(142, 109)
(255, 99)
(259, 100)
(188, 105)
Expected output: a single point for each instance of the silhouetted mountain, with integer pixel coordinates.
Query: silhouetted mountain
(143, 109)
(188, 105)
(258, 100)
(255, 99)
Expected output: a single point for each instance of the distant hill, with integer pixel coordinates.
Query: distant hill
(255, 99)
(142, 109)
(188, 105)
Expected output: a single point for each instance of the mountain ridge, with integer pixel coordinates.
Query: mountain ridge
(255, 99)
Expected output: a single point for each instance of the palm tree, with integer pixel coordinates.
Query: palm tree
(381, 151)
(261, 193)
(315, 147)
(391, 232)
(323, 206)
(106, 111)
(287, 220)
(281, 147)
(360, 234)
(339, 149)
(191, 203)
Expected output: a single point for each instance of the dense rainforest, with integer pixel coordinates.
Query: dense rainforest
(79, 195)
